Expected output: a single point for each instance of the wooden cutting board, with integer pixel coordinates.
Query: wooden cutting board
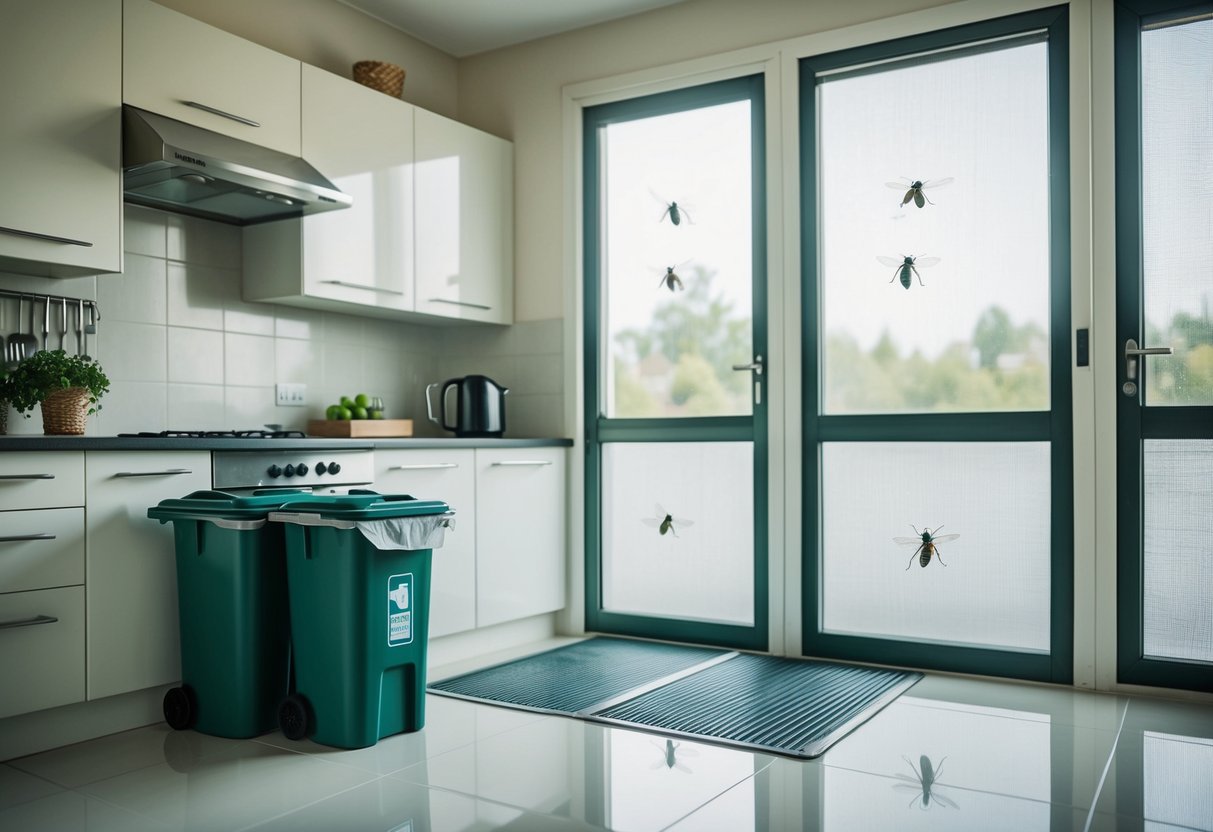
(359, 428)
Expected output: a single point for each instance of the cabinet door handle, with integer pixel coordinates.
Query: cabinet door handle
(17, 538)
(50, 238)
(171, 472)
(27, 622)
(510, 463)
(461, 303)
(351, 285)
(429, 466)
(27, 476)
(216, 112)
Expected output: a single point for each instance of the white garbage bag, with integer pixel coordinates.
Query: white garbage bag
(424, 532)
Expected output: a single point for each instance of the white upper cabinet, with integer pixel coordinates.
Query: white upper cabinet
(182, 68)
(362, 141)
(61, 137)
(465, 222)
(431, 229)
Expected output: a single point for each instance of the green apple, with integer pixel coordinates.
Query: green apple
(362, 400)
(376, 414)
(360, 413)
(333, 412)
(344, 414)
(346, 401)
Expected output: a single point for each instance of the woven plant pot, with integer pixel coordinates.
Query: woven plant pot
(65, 412)
(380, 75)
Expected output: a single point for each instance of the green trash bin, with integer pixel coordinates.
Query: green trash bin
(234, 618)
(358, 567)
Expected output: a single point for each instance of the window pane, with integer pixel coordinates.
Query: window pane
(677, 296)
(1176, 773)
(968, 332)
(1177, 549)
(1177, 210)
(992, 587)
(678, 530)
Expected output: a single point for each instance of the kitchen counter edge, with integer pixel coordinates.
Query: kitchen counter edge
(116, 443)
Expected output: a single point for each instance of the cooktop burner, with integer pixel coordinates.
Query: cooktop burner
(218, 434)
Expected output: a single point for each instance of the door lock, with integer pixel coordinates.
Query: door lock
(1132, 351)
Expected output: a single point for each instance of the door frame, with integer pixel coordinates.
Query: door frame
(600, 430)
(1134, 422)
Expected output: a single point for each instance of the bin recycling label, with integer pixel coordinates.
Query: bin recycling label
(399, 610)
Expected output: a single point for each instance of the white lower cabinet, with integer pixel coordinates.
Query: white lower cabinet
(449, 476)
(41, 649)
(520, 533)
(132, 570)
(505, 558)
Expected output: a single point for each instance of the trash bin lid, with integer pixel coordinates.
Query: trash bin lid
(360, 504)
(222, 505)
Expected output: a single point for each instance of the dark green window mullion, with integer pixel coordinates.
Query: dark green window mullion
(1053, 426)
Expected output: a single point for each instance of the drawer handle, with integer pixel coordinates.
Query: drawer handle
(511, 463)
(351, 285)
(171, 472)
(27, 476)
(28, 622)
(216, 112)
(17, 538)
(50, 238)
(460, 303)
(429, 466)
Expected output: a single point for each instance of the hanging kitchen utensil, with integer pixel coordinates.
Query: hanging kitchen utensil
(80, 326)
(26, 345)
(63, 324)
(46, 324)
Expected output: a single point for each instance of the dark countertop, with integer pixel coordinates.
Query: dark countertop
(114, 443)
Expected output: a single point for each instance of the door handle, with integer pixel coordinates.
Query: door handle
(171, 472)
(1132, 351)
(755, 366)
(19, 538)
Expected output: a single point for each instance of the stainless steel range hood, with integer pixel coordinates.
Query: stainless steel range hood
(175, 166)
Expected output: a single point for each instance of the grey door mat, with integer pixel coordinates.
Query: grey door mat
(793, 707)
(577, 677)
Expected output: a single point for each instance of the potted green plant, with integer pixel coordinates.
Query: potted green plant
(3, 400)
(67, 387)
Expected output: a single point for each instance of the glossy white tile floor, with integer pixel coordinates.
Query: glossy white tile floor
(950, 754)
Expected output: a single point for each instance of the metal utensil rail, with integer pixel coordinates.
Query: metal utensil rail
(50, 301)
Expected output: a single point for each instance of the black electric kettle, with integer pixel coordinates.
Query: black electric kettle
(479, 406)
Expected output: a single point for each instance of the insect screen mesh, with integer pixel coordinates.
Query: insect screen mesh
(1177, 549)
(964, 325)
(678, 530)
(1177, 211)
(994, 589)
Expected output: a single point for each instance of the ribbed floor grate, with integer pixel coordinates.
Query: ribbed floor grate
(573, 678)
(789, 706)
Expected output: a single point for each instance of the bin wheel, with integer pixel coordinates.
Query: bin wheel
(295, 717)
(180, 708)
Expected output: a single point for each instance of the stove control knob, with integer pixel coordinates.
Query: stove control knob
(320, 468)
(274, 471)
(301, 469)
(334, 468)
(289, 471)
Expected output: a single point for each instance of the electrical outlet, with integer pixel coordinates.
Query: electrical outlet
(291, 395)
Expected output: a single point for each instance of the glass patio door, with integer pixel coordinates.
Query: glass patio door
(937, 417)
(675, 353)
(1164, 158)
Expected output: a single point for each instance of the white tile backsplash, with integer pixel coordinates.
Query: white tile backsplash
(184, 351)
(195, 356)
